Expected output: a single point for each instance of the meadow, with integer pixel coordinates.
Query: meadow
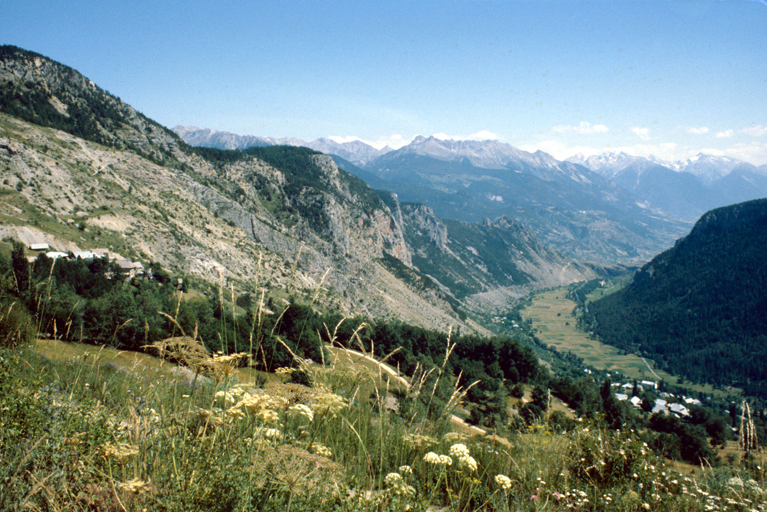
(551, 314)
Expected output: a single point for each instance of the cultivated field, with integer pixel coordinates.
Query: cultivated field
(551, 314)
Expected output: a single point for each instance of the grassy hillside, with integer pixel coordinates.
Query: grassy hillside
(89, 433)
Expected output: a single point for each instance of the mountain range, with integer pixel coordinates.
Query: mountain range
(82, 170)
(609, 207)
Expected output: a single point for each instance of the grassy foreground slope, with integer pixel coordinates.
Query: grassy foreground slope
(82, 434)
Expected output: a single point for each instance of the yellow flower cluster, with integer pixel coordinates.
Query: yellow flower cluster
(301, 410)
(120, 451)
(134, 485)
(269, 433)
(321, 450)
(254, 404)
(327, 403)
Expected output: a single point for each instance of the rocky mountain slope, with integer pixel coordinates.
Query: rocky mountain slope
(82, 170)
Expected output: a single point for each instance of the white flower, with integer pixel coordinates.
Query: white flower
(468, 462)
(406, 470)
(459, 450)
(301, 410)
(440, 460)
(392, 479)
(503, 482)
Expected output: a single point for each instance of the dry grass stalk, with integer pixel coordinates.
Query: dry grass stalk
(748, 437)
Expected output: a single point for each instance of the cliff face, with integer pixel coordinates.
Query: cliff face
(81, 169)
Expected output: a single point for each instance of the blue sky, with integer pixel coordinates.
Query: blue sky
(669, 78)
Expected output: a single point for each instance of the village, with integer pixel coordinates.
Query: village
(127, 268)
(666, 403)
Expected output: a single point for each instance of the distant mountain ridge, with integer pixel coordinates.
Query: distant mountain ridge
(684, 189)
(355, 151)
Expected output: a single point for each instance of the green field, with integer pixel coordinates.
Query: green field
(551, 312)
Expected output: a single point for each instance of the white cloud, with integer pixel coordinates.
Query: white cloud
(725, 134)
(698, 131)
(643, 133)
(480, 135)
(754, 153)
(756, 131)
(584, 128)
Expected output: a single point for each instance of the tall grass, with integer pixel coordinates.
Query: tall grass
(85, 434)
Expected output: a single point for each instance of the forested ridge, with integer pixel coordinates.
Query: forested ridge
(699, 309)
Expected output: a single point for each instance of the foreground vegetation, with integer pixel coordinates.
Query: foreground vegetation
(201, 429)
(82, 435)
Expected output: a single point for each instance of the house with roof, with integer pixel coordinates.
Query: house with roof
(679, 410)
(130, 268)
(649, 384)
(660, 406)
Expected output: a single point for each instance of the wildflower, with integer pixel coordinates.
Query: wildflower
(437, 460)
(468, 462)
(406, 470)
(328, 403)
(301, 410)
(503, 482)
(272, 433)
(459, 450)
(392, 479)
(268, 416)
(398, 485)
(322, 450)
(134, 485)
(120, 451)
